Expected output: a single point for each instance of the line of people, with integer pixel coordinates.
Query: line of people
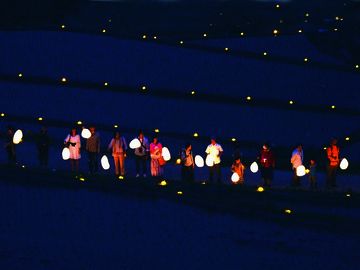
(118, 148)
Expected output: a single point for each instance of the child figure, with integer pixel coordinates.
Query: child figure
(312, 174)
(239, 168)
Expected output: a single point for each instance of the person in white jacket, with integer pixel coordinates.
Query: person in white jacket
(296, 160)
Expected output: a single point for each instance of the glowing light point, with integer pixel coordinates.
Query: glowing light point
(178, 161)
(181, 42)
(82, 179)
(287, 211)
(307, 171)
(79, 122)
(105, 162)
(106, 84)
(104, 30)
(233, 139)
(20, 75)
(325, 148)
(2, 114)
(348, 195)
(275, 32)
(135, 143)
(179, 193)
(63, 80)
(277, 6)
(63, 26)
(204, 35)
(226, 49)
(163, 183)
(196, 135)
(265, 53)
(193, 92)
(291, 102)
(347, 139)
(357, 66)
(143, 87)
(40, 118)
(260, 189)
(333, 107)
(116, 126)
(344, 164)
(156, 130)
(306, 59)
(242, 34)
(199, 161)
(144, 36)
(248, 98)
(254, 167)
(17, 138)
(300, 30)
(121, 177)
(307, 14)
(154, 37)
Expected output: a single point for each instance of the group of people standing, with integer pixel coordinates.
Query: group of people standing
(153, 151)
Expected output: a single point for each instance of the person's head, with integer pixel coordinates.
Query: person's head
(43, 130)
(312, 162)
(188, 147)
(333, 141)
(299, 147)
(117, 135)
(141, 134)
(213, 140)
(237, 160)
(266, 147)
(92, 130)
(155, 139)
(73, 131)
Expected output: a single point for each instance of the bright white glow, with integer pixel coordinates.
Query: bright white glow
(135, 143)
(300, 171)
(166, 154)
(235, 177)
(199, 161)
(254, 168)
(105, 162)
(85, 133)
(209, 160)
(65, 153)
(344, 164)
(17, 137)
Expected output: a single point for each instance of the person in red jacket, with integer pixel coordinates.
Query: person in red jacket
(267, 164)
(333, 153)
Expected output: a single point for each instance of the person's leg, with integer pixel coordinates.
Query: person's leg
(328, 176)
(191, 175)
(122, 162)
(137, 165)
(218, 173)
(116, 165)
(333, 178)
(211, 174)
(143, 163)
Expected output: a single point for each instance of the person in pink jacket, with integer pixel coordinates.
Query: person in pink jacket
(118, 148)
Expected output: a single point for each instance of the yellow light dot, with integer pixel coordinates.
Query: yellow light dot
(196, 135)
(306, 59)
(180, 193)
(347, 139)
(275, 32)
(79, 122)
(20, 75)
(193, 92)
(2, 114)
(63, 26)
(248, 98)
(277, 6)
(203, 183)
(106, 84)
(233, 139)
(307, 14)
(307, 171)
(260, 189)
(104, 31)
(325, 148)
(163, 183)
(265, 53)
(23, 166)
(337, 18)
(357, 66)
(204, 35)
(300, 30)
(333, 107)
(242, 34)
(121, 177)
(291, 102)
(63, 79)
(116, 126)
(82, 179)
(157, 130)
(288, 211)
(40, 118)
(335, 29)
(181, 42)
(144, 36)
(143, 87)
(178, 161)
(226, 49)
(348, 195)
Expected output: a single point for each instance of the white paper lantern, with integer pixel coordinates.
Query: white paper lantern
(17, 138)
(254, 167)
(344, 164)
(105, 162)
(135, 143)
(85, 133)
(209, 160)
(166, 154)
(65, 153)
(300, 171)
(235, 177)
(199, 161)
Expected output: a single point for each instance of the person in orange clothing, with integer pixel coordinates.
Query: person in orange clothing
(118, 147)
(333, 152)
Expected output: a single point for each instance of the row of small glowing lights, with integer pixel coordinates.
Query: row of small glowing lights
(144, 88)
(199, 161)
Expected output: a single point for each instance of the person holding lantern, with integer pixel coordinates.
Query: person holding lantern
(214, 151)
(73, 142)
(157, 160)
(118, 148)
(141, 154)
(332, 153)
(297, 158)
(93, 150)
(267, 164)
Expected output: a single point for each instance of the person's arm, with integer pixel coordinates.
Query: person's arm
(110, 146)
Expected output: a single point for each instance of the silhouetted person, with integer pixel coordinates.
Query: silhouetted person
(10, 147)
(187, 164)
(93, 150)
(333, 153)
(43, 145)
(214, 152)
(297, 158)
(267, 164)
(141, 155)
(312, 174)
